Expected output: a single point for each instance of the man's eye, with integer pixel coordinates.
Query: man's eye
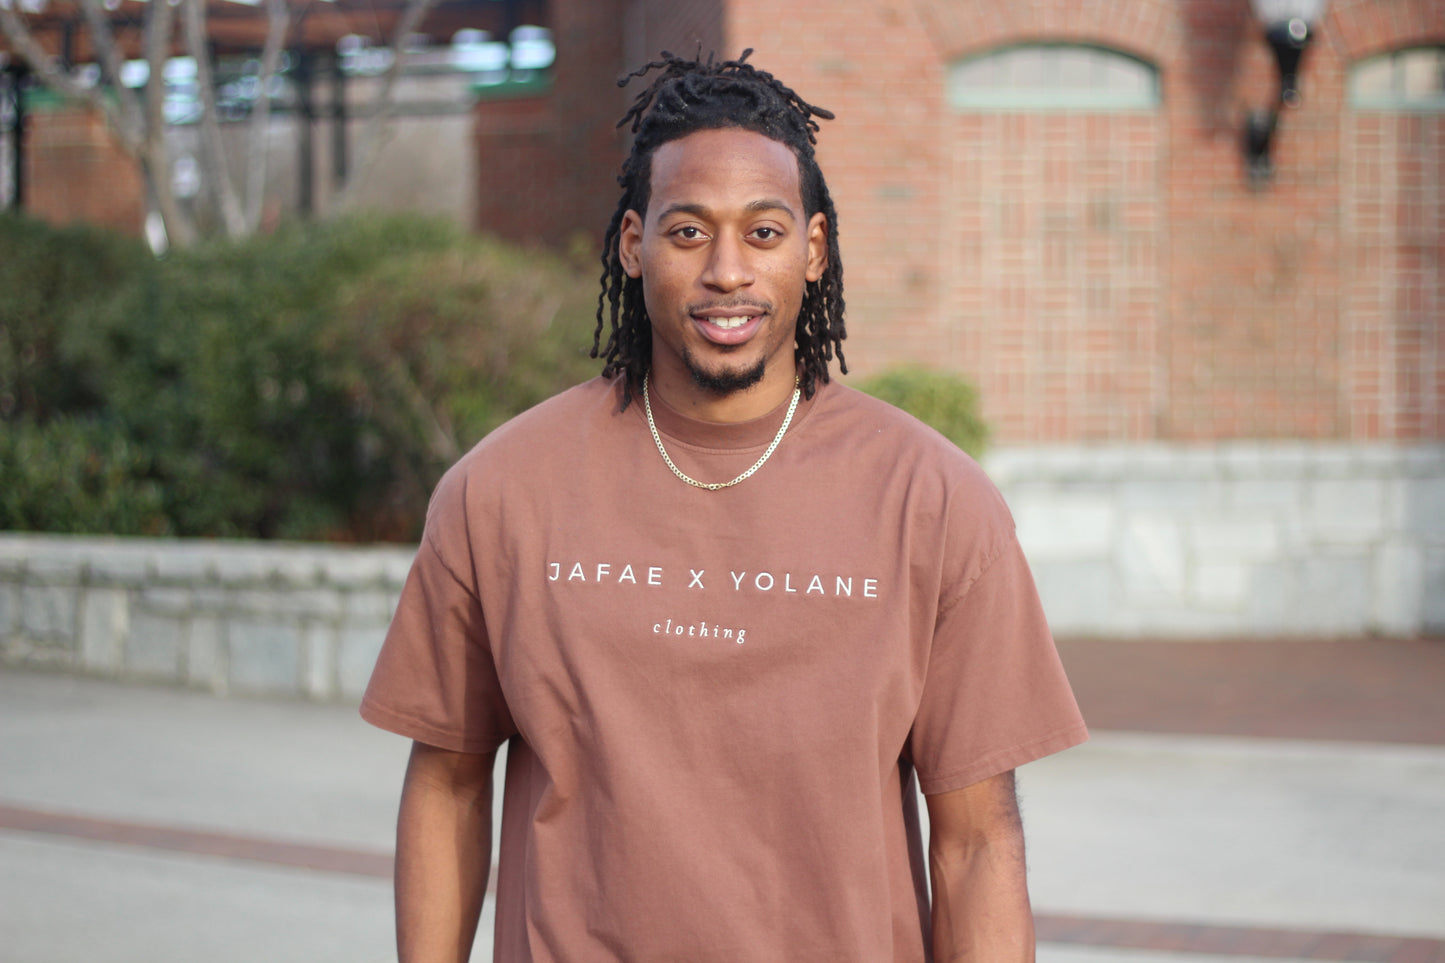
(765, 233)
(688, 233)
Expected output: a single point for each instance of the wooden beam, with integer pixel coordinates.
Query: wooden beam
(238, 28)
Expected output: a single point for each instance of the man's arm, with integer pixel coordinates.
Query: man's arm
(980, 889)
(443, 853)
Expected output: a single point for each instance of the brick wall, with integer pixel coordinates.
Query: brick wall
(1111, 277)
(1253, 276)
(1392, 355)
(681, 26)
(546, 166)
(1052, 297)
(75, 170)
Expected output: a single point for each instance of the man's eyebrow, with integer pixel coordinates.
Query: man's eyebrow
(764, 204)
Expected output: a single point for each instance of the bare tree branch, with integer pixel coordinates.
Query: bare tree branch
(384, 105)
(278, 23)
(139, 126)
(219, 182)
(23, 42)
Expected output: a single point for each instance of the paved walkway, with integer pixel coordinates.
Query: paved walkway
(1240, 802)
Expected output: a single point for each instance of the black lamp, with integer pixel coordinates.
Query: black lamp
(1289, 26)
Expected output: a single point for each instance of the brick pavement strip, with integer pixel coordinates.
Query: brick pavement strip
(1227, 941)
(329, 859)
(1198, 938)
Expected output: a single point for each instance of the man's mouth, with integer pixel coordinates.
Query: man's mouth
(728, 325)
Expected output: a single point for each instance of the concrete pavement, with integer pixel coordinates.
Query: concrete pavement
(144, 824)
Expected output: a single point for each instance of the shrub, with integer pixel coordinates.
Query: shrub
(52, 278)
(309, 384)
(77, 475)
(437, 349)
(946, 402)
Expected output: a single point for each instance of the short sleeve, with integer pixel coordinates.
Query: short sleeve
(435, 680)
(995, 695)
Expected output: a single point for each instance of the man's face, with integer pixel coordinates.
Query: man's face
(724, 252)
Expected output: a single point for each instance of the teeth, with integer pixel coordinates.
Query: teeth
(727, 323)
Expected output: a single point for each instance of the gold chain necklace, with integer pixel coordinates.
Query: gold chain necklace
(714, 486)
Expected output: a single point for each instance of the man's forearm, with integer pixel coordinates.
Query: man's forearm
(981, 908)
(443, 855)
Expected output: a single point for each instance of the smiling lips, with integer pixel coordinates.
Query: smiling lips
(730, 325)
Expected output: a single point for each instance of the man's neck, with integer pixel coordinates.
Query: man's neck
(686, 397)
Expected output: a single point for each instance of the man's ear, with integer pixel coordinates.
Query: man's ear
(629, 244)
(817, 246)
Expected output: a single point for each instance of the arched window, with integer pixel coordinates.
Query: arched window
(1054, 191)
(1053, 77)
(1409, 79)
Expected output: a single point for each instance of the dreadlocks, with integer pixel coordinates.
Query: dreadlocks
(688, 96)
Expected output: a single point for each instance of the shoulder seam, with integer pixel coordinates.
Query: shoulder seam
(987, 566)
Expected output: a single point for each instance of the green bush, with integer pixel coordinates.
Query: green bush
(51, 279)
(946, 402)
(313, 383)
(77, 475)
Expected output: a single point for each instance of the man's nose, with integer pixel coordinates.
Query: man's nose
(728, 266)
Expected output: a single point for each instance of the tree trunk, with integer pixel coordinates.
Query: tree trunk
(382, 106)
(139, 122)
(218, 182)
(278, 22)
(140, 128)
(154, 153)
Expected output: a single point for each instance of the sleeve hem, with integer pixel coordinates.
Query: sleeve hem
(1004, 759)
(414, 729)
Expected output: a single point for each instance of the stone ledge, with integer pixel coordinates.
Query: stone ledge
(1239, 539)
(261, 618)
(1289, 460)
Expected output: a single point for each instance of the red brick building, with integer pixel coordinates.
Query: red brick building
(1051, 198)
(1218, 404)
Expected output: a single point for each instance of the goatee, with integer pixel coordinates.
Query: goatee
(724, 382)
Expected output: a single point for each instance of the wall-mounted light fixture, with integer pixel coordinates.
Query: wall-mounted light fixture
(1289, 26)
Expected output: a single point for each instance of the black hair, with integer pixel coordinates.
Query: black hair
(688, 96)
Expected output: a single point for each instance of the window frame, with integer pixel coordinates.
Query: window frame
(1397, 100)
(1053, 94)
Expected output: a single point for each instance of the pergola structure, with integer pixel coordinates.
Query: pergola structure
(236, 29)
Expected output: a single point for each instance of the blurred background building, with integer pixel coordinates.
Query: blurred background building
(1216, 377)
(1205, 325)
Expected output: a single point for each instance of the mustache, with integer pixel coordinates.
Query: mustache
(732, 304)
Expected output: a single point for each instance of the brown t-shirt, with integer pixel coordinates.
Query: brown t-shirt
(717, 700)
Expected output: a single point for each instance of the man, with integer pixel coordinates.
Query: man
(722, 611)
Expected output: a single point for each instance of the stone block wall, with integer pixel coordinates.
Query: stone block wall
(1235, 540)
(244, 617)
(1127, 541)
